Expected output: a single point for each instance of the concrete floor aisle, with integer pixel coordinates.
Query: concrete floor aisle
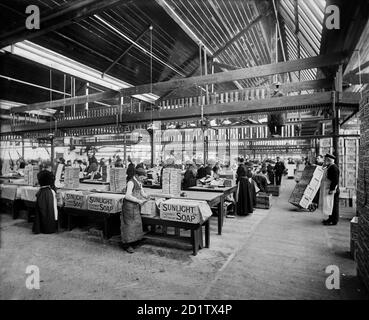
(279, 253)
(286, 258)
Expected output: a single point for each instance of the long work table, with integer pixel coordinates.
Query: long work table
(214, 198)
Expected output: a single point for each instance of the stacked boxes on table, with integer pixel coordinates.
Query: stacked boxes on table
(172, 179)
(118, 179)
(306, 189)
(362, 248)
(185, 211)
(71, 178)
(149, 208)
(263, 200)
(30, 175)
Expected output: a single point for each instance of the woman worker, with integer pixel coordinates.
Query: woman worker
(131, 222)
(46, 204)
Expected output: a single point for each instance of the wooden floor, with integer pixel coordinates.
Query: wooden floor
(280, 253)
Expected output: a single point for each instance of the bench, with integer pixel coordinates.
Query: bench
(196, 231)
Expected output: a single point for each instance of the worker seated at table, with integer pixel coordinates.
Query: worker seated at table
(131, 222)
(46, 204)
(190, 175)
(94, 173)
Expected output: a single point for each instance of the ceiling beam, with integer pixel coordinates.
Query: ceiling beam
(286, 103)
(245, 73)
(105, 95)
(59, 17)
(357, 78)
(286, 87)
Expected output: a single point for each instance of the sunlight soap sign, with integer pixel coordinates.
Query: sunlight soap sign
(185, 211)
(107, 203)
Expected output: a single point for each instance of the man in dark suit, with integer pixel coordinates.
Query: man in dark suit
(333, 175)
(279, 169)
(241, 170)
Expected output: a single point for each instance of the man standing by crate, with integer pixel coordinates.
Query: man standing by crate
(329, 191)
(279, 169)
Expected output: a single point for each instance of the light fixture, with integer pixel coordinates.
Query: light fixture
(192, 125)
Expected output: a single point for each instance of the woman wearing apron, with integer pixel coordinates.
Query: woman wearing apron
(46, 204)
(131, 222)
(329, 192)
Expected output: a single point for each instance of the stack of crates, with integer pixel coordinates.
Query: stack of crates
(305, 191)
(263, 200)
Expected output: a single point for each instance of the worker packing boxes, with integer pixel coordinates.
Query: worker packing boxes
(305, 191)
(189, 211)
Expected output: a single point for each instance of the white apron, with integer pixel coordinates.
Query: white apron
(326, 200)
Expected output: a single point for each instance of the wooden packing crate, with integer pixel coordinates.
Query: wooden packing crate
(263, 200)
(274, 190)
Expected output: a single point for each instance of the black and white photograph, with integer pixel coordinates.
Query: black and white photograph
(184, 155)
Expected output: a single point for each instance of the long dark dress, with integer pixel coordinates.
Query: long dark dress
(245, 200)
(45, 219)
(130, 218)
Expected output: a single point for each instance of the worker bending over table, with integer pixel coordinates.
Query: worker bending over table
(131, 222)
